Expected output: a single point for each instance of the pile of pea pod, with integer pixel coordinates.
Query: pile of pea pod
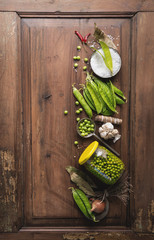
(102, 97)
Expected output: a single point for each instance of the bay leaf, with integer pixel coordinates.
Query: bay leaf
(82, 184)
(101, 35)
(86, 177)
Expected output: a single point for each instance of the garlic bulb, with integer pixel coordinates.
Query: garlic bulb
(107, 131)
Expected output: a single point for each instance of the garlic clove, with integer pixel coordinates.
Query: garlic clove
(103, 134)
(115, 131)
(108, 125)
(100, 129)
(117, 137)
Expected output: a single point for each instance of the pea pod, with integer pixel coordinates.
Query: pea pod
(86, 203)
(87, 100)
(113, 99)
(80, 202)
(94, 97)
(90, 99)
(119, 100)
(83, 203)
(105, 94)
(96, 91)
(107, 112)
(119, 93)
(83, 103)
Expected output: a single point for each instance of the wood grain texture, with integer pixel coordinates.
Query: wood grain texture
(49, 135)
(110, 235)
(142, 128)
(109, 6)
(10, 124)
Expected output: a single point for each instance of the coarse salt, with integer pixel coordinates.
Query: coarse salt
(98, 65)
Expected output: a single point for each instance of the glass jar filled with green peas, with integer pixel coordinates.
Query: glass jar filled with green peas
(102, 163)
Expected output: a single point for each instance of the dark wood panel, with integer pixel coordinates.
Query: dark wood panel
(10, 123)
(51, 45)
(110, 235)
(142, 128)
(77, 6)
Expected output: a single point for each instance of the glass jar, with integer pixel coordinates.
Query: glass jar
(102, 163)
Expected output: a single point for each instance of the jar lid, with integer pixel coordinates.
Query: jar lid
(88, 152)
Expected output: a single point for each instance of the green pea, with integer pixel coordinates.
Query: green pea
(78, 58)
(65, 112)
(77, 111)
(77, 103)
(80, 109)
(74, 58)
(75, 142)
(78, 47)
(82, 134)
(75, 65)
(85, 60)
(84, 68)
(78, 119)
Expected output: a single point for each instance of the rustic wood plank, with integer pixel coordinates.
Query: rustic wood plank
(110, 235)
(142, 128)
(77, 6)
(47, 92)
(10, 123)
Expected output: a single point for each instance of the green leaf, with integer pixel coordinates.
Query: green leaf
(107, 55)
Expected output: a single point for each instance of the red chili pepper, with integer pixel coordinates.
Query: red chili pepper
(80, 36)
(86, 37)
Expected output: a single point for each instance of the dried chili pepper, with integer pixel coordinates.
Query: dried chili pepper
(83, 40)
(86, 37)
(80, 36)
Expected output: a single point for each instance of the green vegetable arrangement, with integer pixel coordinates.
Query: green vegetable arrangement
(100, 97)
(89, 193)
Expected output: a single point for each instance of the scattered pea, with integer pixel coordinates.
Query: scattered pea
(76, 143)
(77, 111)
(77, 103)
(65, 112)
(74, 57)
(78, 58)
(75, 65)
(78, 47)
(85, 60)
(78, 119)
(80, 109)
(85, 68)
